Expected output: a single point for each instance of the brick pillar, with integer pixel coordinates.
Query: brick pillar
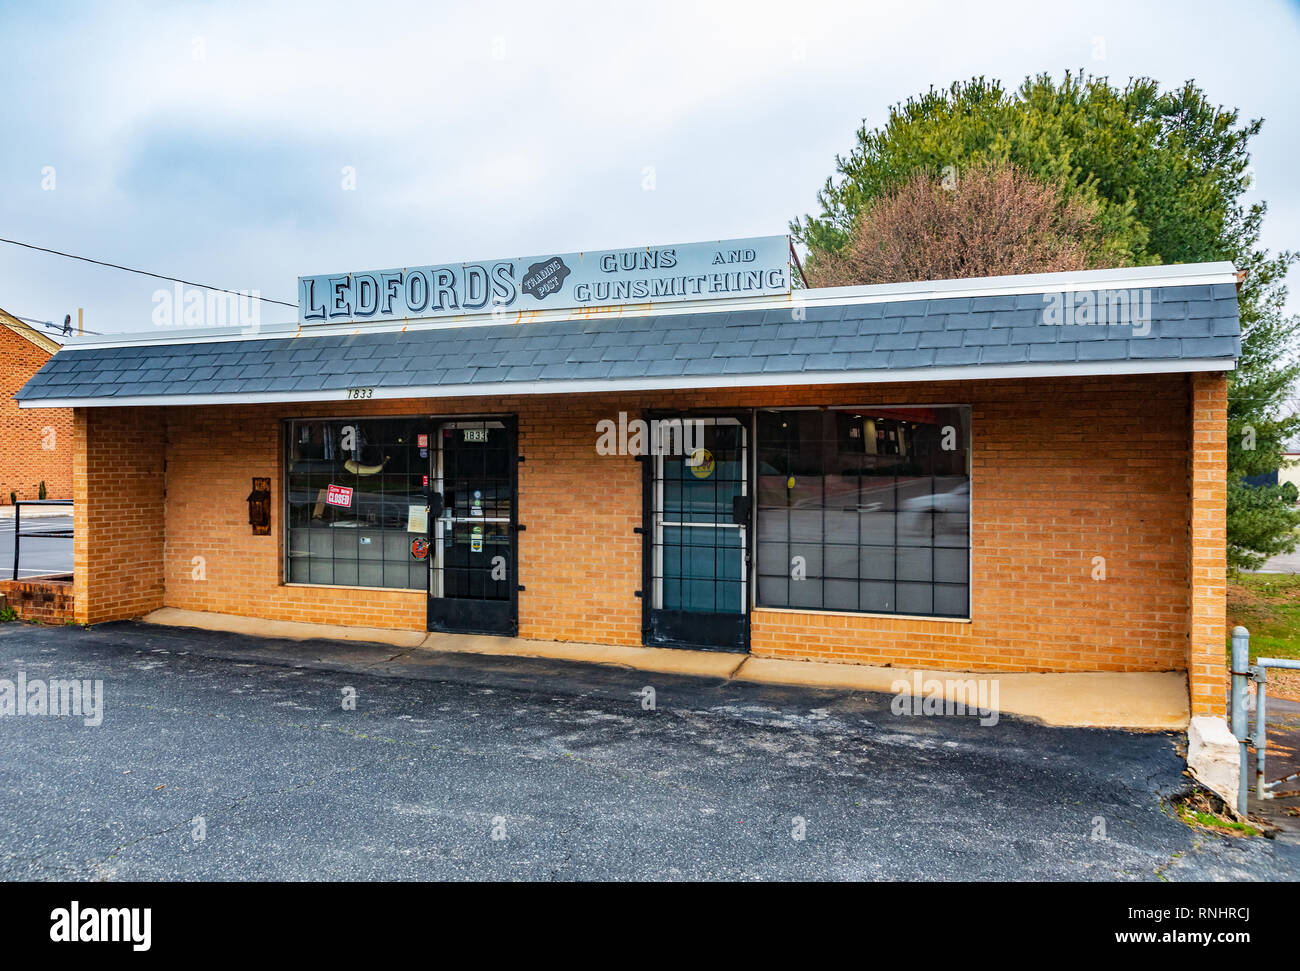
(80, 520)
(118, 487)
(1207, 543)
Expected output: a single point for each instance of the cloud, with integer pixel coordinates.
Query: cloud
(210, 141)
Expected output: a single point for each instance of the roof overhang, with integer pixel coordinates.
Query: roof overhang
(601, 385)
(996, 328)
(1126, 278)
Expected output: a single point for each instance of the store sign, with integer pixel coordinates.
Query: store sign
(604, 278)
(337, 495)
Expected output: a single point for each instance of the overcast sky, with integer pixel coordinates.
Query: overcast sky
(213, 141)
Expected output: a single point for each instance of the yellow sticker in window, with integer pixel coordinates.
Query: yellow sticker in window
(701, 463)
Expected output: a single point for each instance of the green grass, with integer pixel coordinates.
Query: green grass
(1267, 605)
(1194, 817)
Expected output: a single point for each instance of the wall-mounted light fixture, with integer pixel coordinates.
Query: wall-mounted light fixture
(259, 507)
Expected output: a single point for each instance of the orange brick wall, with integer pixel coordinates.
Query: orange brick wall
(35, 444)
(212, 560)
(41, 600)
(118, 505)
(1063, 471)
(1207, 545)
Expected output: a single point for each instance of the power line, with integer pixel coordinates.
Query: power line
(156, 276)
(63, 329)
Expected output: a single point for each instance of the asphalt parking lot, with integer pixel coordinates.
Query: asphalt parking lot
(233, 758)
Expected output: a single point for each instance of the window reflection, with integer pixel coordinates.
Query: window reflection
(865, 510)
(367, 541)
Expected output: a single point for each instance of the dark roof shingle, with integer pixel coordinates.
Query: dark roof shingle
(1187, 322)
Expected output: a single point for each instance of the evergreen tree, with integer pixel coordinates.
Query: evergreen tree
(1165, 173)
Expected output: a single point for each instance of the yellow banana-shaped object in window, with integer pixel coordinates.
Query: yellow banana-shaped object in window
(356, 468)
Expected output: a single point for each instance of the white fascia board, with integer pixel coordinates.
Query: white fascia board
(692, 383)
(1123, 278)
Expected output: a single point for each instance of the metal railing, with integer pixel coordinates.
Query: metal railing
(46, 533)
(1242, 672)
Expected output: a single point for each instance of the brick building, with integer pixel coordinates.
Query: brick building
(939, 475)
(35, 446)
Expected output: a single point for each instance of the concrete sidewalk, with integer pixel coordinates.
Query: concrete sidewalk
(34, 512)
(1135, 701)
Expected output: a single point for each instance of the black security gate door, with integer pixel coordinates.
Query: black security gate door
(473, 582)
(696, 590)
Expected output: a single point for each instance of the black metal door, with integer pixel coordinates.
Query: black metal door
(696, 526)
(473, 582)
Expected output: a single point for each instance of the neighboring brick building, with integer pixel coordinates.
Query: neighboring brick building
(921, 476)
(35, 446)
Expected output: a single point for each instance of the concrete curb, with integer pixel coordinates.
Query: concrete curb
(1137, 701)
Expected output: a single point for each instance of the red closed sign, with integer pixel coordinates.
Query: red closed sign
(337, 495)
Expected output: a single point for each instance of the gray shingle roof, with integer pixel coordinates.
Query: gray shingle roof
(1187, 322)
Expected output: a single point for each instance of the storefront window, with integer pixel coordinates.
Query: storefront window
(356, 502)
(865, 510)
